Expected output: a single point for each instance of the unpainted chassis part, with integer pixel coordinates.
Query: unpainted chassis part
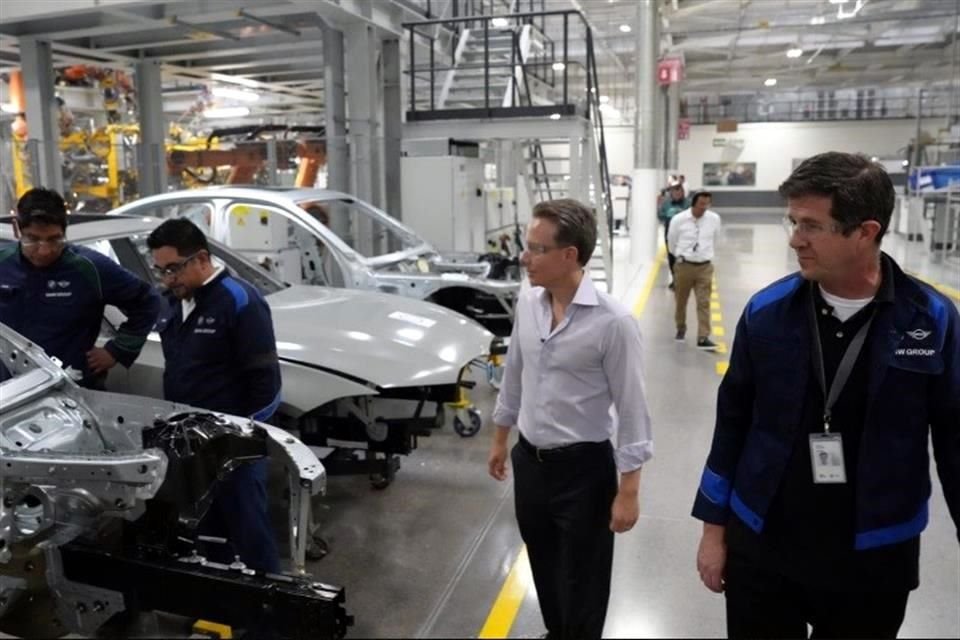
(73, 459)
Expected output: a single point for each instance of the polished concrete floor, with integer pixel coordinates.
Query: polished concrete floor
(428, 556)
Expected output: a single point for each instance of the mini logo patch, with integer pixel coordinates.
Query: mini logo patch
(918, 334)
(63, 284)
(51, 284)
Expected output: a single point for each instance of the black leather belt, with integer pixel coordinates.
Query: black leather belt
(685, 261)
(565, 452)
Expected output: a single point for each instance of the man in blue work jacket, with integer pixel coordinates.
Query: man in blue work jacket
(218, 344)
(815, 490)
(54, 293)
(674, 202)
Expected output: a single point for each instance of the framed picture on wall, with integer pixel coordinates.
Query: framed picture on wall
(729, 174)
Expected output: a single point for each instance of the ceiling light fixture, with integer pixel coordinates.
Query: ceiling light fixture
(226, 112)
(625, 28)
(235, 94)
(770, 82)
(554, 116)
(500, 23)
(559, 66)
(843, 15)
(795, 52)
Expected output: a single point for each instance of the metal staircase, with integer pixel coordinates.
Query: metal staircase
(503, 73)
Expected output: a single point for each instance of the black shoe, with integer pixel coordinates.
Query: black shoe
(681, 334)
(706, 344)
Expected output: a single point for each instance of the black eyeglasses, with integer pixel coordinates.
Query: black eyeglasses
(50, 243)
(174, 268)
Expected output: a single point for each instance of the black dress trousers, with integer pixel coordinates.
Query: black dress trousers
(563, 499)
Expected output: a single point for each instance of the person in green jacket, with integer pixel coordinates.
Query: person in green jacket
(675, 202)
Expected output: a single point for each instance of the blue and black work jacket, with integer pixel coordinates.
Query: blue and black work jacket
(223, 356)
(913, 357)
(60, 307)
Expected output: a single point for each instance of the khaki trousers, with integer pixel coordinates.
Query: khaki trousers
(699, 278)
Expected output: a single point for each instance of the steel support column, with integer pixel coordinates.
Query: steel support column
(151, 159)
(672, 122)
(334, 97)
(392, 126)
(362, 108)
(36, 60)
(643, 224)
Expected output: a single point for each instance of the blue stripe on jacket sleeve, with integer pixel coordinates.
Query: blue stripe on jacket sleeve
(897, 533)
(269, 410)
(715, 487)
(240, 297)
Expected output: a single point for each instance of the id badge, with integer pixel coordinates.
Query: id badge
(826, 458)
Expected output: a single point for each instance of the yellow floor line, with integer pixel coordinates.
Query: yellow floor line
(722, 367)
(648, 285)
(718, 330)
(946, 290)
(507, 604)
(505, 608)
(716, 316)
(714, 305)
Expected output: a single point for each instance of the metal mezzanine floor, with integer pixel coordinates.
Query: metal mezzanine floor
(432, 556)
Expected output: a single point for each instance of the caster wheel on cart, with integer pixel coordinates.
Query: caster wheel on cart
(317, 548)
(380, 481)
(468, 423)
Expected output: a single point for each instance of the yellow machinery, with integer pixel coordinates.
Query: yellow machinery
(99, 168)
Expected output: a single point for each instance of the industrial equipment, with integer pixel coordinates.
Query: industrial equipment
(101, 495)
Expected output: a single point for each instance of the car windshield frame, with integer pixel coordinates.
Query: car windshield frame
(413, 245)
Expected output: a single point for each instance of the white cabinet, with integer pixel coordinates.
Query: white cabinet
(444, 201)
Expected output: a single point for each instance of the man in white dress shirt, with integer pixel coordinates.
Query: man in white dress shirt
(691, 239)
(574, 353)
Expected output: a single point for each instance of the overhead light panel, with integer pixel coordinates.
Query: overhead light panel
(625, 28)
(843, 15)
(795, 52)
(770, 82)
(500, 23)
(227, 112)
(235, 94)
(559, 66)
(554, 116)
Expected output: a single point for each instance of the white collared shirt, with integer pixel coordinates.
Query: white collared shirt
(691, 238)
(559, 386)
(189, 305)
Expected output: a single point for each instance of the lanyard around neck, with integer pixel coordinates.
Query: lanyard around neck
(844, 369)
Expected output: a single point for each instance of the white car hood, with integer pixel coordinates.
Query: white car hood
(389, 340)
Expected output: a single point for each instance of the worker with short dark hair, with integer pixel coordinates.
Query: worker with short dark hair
(220, 354)
(54, 293)
(675, 202)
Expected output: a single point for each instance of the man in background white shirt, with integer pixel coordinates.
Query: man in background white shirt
(574, 353)
(691, 239)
